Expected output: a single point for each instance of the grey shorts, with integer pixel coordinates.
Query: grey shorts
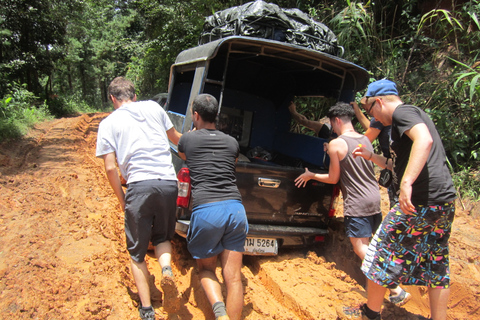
(150, 207)
(362, 227)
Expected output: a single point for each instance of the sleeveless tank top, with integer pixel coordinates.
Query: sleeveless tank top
(361, 194)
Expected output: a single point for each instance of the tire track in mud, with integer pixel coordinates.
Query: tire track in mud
(306, 284)
(56, 261)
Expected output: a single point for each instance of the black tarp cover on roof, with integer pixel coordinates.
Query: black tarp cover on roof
(268, 21)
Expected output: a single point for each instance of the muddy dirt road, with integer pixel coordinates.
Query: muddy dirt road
(62, 252)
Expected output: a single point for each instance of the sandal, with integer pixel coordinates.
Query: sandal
(171, 301)
(355, 313)
(400, 299)
(146, 313)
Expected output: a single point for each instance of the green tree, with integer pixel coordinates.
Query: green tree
(97, 49)
(170, 27)
(29, 29)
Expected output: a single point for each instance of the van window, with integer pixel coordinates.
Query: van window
(181, 91)
(236, 123)
(313, 108)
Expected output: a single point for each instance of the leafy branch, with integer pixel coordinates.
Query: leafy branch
(432, 16)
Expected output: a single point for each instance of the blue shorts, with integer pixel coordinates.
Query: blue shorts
(217, 226)
(362, 227)
(150, 208)
(411, 249)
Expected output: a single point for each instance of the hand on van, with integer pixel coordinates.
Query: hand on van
(302, 179)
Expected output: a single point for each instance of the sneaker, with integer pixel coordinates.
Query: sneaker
(355, 313)
(350, 313)
(171, 301)
(400, 299)
(146, 314)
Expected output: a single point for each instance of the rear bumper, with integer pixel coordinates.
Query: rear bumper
(287, 236)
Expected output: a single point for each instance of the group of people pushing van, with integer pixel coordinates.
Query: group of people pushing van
(409, 245)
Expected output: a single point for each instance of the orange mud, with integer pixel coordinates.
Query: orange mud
(62, 251)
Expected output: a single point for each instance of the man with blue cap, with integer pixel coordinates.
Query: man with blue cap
(411, 245)
(375, 129)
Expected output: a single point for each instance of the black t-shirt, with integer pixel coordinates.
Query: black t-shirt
(434, 185)
(211, 156)
(383, 136)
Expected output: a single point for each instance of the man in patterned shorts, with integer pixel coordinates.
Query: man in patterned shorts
(411, 245)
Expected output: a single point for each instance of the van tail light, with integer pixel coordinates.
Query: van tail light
(333, 201)
(184, 188)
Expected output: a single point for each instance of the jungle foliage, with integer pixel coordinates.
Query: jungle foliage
(58, 56)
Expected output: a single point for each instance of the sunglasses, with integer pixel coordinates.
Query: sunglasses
(369, 110)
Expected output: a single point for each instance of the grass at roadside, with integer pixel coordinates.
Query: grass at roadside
(20, 110)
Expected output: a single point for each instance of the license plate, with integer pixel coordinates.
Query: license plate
(261, 246)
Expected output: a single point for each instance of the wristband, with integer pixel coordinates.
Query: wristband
(371, 155)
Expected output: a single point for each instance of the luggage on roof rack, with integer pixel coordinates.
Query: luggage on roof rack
(268, 21)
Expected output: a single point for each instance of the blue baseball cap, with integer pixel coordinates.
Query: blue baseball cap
(382, 87)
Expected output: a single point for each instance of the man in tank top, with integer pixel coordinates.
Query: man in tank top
(361, 195)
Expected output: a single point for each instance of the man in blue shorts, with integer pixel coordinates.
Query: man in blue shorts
(361, 208)
(136, 136)
(411, 245)
(218, 226)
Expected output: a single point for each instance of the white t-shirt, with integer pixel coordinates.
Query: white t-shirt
(136, 132)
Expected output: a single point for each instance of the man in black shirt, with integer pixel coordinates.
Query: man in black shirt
(218, 226)
(411, 245)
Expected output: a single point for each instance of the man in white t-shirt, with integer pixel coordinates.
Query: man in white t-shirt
(135, 136)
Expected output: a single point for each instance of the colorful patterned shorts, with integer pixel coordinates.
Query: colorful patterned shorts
(411, 249)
